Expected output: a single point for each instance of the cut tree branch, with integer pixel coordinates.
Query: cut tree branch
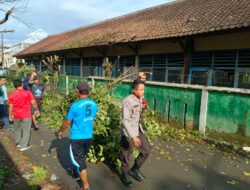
(7, 14)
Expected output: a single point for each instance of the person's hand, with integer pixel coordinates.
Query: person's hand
(37, 113)
(137, 141)
(145, 107)
(59, 134)
(6, 102)
(11, 118)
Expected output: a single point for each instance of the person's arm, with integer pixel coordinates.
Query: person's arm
(11, 117)
(65, 125)
(34, 104)
(32, 77)
(5, 95)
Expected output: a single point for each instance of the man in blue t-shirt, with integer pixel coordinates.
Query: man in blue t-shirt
(80, 119)
(38, 91)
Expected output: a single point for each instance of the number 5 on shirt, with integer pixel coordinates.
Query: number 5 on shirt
(88, 110)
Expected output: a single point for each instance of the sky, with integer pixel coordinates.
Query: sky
(55, 16)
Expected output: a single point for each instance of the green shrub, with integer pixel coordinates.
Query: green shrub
(106, 144)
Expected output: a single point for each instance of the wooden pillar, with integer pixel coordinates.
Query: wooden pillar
(135, 49)
(137, 62)
(188, 50)
(64, 66)
(81, 66)
(104, 55)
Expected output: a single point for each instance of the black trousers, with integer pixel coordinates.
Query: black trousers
(78, 151)
(127, 147)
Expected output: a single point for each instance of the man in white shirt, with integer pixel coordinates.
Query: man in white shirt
(4, 103)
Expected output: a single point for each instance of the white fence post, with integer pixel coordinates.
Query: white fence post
(203, 111)
(93, 82)
(67, 85)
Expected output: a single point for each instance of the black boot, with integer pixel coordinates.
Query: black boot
(126, 180)
(136, 174)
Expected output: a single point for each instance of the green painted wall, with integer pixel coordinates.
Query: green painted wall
(229, 113)
(62, 83)
(181, 106)
(72, 81)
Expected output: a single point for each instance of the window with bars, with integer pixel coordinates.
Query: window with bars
(200, 77)
(244, 69)
(146, 64)
(244, 59)
(36, 63)
(175, 76)
(163, 67)
(28, 62)
(202, 59)
(223, 78)
(61, 67)
(73, 67)
(175, 64)
(244, 79)
(201, 64)
(92, 66)
(121, 64)
(175, 60)
(225, 66)
(117, 66)
(159, 68)
(224, 59)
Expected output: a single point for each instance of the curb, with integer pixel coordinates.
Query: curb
(22, 163)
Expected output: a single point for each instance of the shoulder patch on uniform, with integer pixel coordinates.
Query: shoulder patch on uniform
(126, 104)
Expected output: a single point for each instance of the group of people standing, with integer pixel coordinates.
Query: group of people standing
(80, 119)
(24, 106)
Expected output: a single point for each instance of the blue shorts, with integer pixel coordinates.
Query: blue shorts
(78, 150)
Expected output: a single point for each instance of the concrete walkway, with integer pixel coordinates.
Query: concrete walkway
(195, 166)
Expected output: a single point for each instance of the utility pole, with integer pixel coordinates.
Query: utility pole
(2, 32)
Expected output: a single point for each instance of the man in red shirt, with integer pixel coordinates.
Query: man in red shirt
(20, 111)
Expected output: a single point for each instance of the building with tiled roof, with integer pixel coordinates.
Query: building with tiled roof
(188, 41)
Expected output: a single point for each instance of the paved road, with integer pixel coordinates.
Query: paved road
(195, 166)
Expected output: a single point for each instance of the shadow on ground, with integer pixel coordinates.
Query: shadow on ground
(62, 151)
(161, 174)
(10, 177)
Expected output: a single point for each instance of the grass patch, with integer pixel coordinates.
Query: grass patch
(235, 139)
(5, 171)
(38, 177)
